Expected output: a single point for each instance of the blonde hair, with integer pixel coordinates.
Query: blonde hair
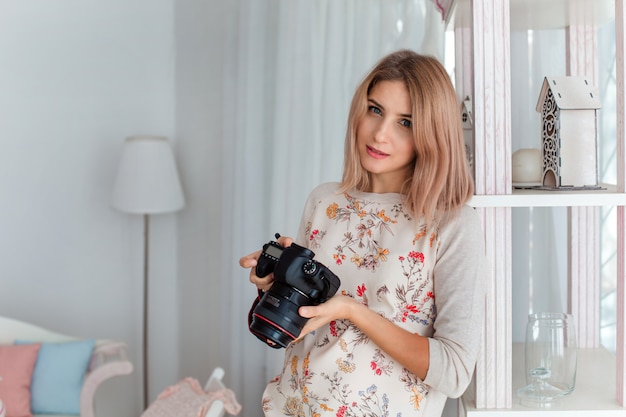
(441, 180)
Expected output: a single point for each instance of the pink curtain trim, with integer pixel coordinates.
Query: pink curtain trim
(443, 6)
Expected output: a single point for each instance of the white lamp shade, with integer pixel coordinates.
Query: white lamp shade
(147, 179)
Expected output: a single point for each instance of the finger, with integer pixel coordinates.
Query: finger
(247, 262)
(250, 260)
(264, 283)
(285, 241)
(306, 329)
(264, 288)
(306, 312)
(261, 281)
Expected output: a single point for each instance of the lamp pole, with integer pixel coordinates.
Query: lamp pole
(146, 310)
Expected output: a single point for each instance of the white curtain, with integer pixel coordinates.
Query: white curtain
(607, 84)
(539, 246)
(291, 70)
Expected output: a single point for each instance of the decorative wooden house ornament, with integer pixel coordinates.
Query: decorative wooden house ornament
(569, 133)
(467, 120)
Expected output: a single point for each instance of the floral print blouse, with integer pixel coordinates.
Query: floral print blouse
(413, 276)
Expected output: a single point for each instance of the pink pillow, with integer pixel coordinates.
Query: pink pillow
(17, 363)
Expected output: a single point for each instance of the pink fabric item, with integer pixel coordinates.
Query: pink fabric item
(17, 363)
(228, 398)
(187, 399)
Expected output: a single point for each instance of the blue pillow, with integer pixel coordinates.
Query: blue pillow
(58, 376)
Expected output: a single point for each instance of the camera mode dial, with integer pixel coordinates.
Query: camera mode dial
(309, 267)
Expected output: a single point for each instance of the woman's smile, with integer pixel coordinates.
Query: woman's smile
(375, 153)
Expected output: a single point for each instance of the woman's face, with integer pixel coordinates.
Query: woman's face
(384, 137)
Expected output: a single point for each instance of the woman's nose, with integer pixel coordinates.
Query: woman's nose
(383, 131)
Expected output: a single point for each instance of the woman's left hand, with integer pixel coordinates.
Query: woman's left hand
(337, 307)
(391, 338)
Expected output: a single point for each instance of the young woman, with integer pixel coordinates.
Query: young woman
(404, 329)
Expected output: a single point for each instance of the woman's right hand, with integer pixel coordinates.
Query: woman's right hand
(250, 261)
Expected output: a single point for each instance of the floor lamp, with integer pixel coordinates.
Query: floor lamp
(147, 183)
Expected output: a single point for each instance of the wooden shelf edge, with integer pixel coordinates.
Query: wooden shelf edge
(544, 198)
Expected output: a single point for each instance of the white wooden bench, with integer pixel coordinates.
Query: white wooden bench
(109, 358)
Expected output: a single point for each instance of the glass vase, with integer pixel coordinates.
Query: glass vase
(550, 359)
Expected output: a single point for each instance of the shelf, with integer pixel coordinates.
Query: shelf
(544, 198)
(541, 14)
(594, 394)
(483, 49)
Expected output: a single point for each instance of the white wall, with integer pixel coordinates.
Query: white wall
(76, 78)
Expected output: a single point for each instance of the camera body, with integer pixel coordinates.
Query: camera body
(299, 280)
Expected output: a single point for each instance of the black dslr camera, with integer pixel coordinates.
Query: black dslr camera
(298, 281)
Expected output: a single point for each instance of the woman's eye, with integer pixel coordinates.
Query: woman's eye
(375, 110)
(405, 123)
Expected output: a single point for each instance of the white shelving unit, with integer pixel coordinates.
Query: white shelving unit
(482, 37)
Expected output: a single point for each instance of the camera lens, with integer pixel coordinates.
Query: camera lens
(276, 316)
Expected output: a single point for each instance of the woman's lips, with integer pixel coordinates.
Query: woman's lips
(375, 153)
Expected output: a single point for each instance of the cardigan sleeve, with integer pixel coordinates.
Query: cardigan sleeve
(460, 280)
